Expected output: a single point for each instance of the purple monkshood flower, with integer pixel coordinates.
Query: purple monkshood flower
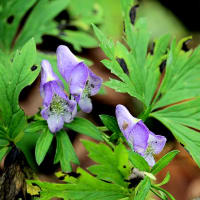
(141, 139)
(83, 83)
(57, 108)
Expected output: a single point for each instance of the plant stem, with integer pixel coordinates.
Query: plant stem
(106, 139)
(144, 115)
(156, 193)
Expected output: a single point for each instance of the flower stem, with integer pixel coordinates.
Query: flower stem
(145, 114)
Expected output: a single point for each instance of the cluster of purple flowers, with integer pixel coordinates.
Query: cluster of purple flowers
(58, 108)
(83, 83)
(140, 138)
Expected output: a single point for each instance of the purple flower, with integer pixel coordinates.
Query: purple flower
(57, 108)
(141, 139)
(83, 83)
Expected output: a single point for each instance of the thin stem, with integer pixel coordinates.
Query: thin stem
(144, 115)
(164, 191)
(156, 193)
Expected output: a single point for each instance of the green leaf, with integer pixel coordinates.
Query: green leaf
(3, 142)
(165, 180)
(27, 146)
(177, 102)
(28, 141)
(4, 151)
(91, 188)
(85, 127)
(112, 166)
(87, 187)
(178, 119)
(42, 145)
(113, 52)
(181, 78)
(153, 75)
(144, 74)
(85, 12)
(40, 21)
(50, 190)
(10, 18)
(142, 189)
(65, 152)
(79, 39)
(110, 122)
(14, 77)
(164, 161)
(36, 126)
(106, 45)
(138, 161)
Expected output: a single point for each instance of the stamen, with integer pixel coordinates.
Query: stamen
(58, 105)
(87, 90)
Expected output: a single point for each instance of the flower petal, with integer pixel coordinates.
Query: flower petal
(125, 120)
(45, 113)
(47, 76)
(55, 123)
(156, 142)
(85, 105)
(78, 79)
(133, 129)
(50, 89)
(94, 83)
(48, 94)
(150, 159)
(66, 61)
(138, 137)
(70, 111)
(58, 90)
(47, 73)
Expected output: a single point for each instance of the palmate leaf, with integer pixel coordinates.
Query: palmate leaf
(112, 166)
(177, 102)
(15, 76)
(181, 80)
(87, 187)
(49, 190)
(91, 188)
(183, 120)
(144, 74)
(173, 97)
